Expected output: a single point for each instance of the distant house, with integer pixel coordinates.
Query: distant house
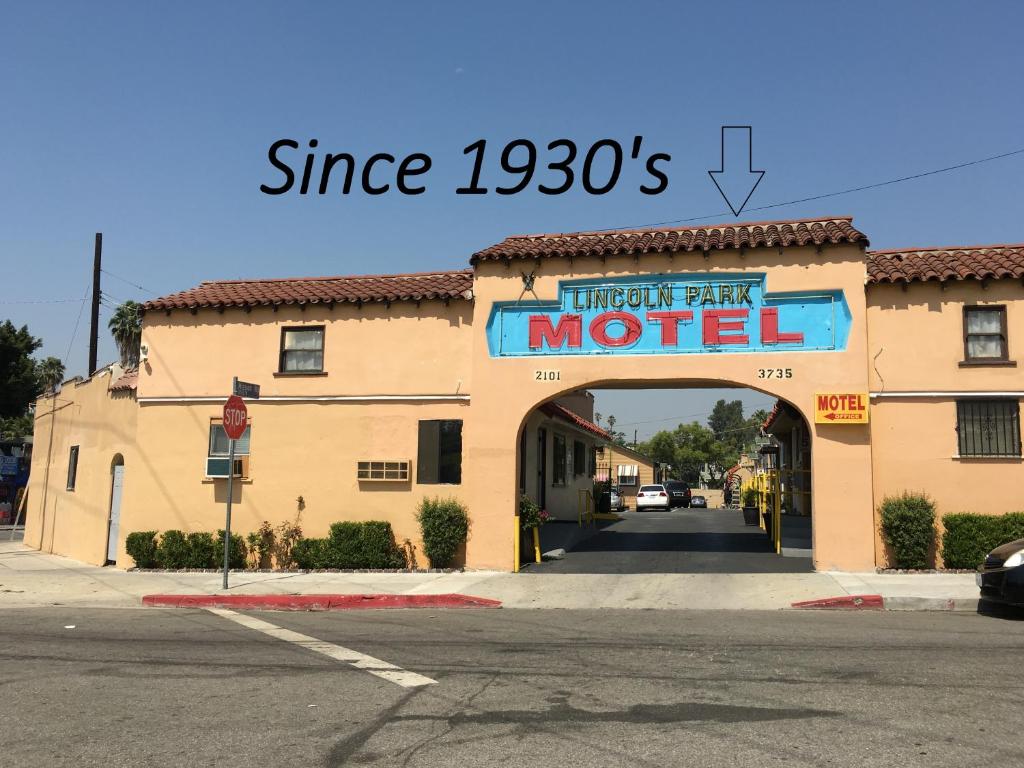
(626, 468)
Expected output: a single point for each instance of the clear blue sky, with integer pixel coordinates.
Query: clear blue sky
(151, 124)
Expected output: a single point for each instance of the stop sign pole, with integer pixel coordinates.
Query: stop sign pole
(234, 421)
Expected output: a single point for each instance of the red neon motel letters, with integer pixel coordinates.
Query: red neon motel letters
(719, 327)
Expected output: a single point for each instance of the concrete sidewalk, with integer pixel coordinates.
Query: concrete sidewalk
(30, 578)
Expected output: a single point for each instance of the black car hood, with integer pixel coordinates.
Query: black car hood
(1006, 550)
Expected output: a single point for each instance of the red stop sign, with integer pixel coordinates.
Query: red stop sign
(236, 417)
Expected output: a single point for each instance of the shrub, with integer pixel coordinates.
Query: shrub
(202, 551)
(908, 525)
(172, 552)
(284, 538)
(141, 547)
(969, 537)
(312, 554)
(750, 497)
(236, 554)
(369, 544)
(261, 544)
(530, 514)
(444, 525)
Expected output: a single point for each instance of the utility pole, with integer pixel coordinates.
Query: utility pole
(94, 328)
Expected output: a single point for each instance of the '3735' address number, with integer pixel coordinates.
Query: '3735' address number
(775, 373)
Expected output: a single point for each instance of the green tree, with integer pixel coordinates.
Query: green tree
(126, 328)
(727, 423)
(51, 373)
(22, 378)
(619, 438)
(19, 377)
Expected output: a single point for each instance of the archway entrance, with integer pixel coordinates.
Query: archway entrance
(644, 479)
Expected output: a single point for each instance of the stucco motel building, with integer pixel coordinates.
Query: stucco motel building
(378, 391)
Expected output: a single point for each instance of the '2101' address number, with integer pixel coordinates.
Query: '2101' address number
(547, 375)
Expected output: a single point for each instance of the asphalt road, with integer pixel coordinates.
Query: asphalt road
(678, 541)
(147, 687)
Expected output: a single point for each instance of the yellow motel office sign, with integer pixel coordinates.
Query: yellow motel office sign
(841, 408)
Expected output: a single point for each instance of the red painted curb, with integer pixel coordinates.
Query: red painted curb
(844, 603)
(318, 602)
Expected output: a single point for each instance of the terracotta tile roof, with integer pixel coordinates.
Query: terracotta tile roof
(126, 381)
(941, 264)
(315, 290)
(831, 231)
(556, 411)
(773, 415)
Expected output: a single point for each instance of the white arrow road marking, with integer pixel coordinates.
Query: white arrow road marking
(382, 669)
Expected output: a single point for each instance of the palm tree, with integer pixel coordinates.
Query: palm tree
(50, 373)
(126, 327)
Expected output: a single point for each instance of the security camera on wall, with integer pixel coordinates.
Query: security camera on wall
(143, 353)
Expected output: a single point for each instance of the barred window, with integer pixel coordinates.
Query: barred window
(988, 427)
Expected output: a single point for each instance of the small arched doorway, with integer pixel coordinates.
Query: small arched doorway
(114, 516)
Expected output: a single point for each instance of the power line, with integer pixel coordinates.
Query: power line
(74, 333)
(876, 185)
(126, 280)
(40, 301)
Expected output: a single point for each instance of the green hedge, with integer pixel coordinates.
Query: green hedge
(202, 550)
(141, 547)
(444, 525)
(369, 544)
(969, 537)
(312, 554)
(908, 525)
(236, 554)
(172, 552)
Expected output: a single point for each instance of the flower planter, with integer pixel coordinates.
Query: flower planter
(750, 515)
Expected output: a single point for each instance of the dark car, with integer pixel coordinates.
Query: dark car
(1001, 576)
(698, 502)
(611, 501)
(678, 493)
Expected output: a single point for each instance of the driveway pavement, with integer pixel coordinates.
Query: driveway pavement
(678, 541)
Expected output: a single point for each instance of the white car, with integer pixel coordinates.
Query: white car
(652, 497)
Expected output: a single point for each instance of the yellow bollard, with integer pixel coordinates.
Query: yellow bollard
(777, 516)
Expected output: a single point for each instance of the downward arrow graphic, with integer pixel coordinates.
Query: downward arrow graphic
(735, 183)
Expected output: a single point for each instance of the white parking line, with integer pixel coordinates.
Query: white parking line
(382, 669)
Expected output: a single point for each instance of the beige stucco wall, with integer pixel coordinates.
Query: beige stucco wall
(404, 349)
(916, 345)
(505, 389)
(102, 423)
(917, 337)
(296, 449)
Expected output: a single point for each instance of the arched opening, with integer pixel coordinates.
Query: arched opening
(653, 476)
(114, 512)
